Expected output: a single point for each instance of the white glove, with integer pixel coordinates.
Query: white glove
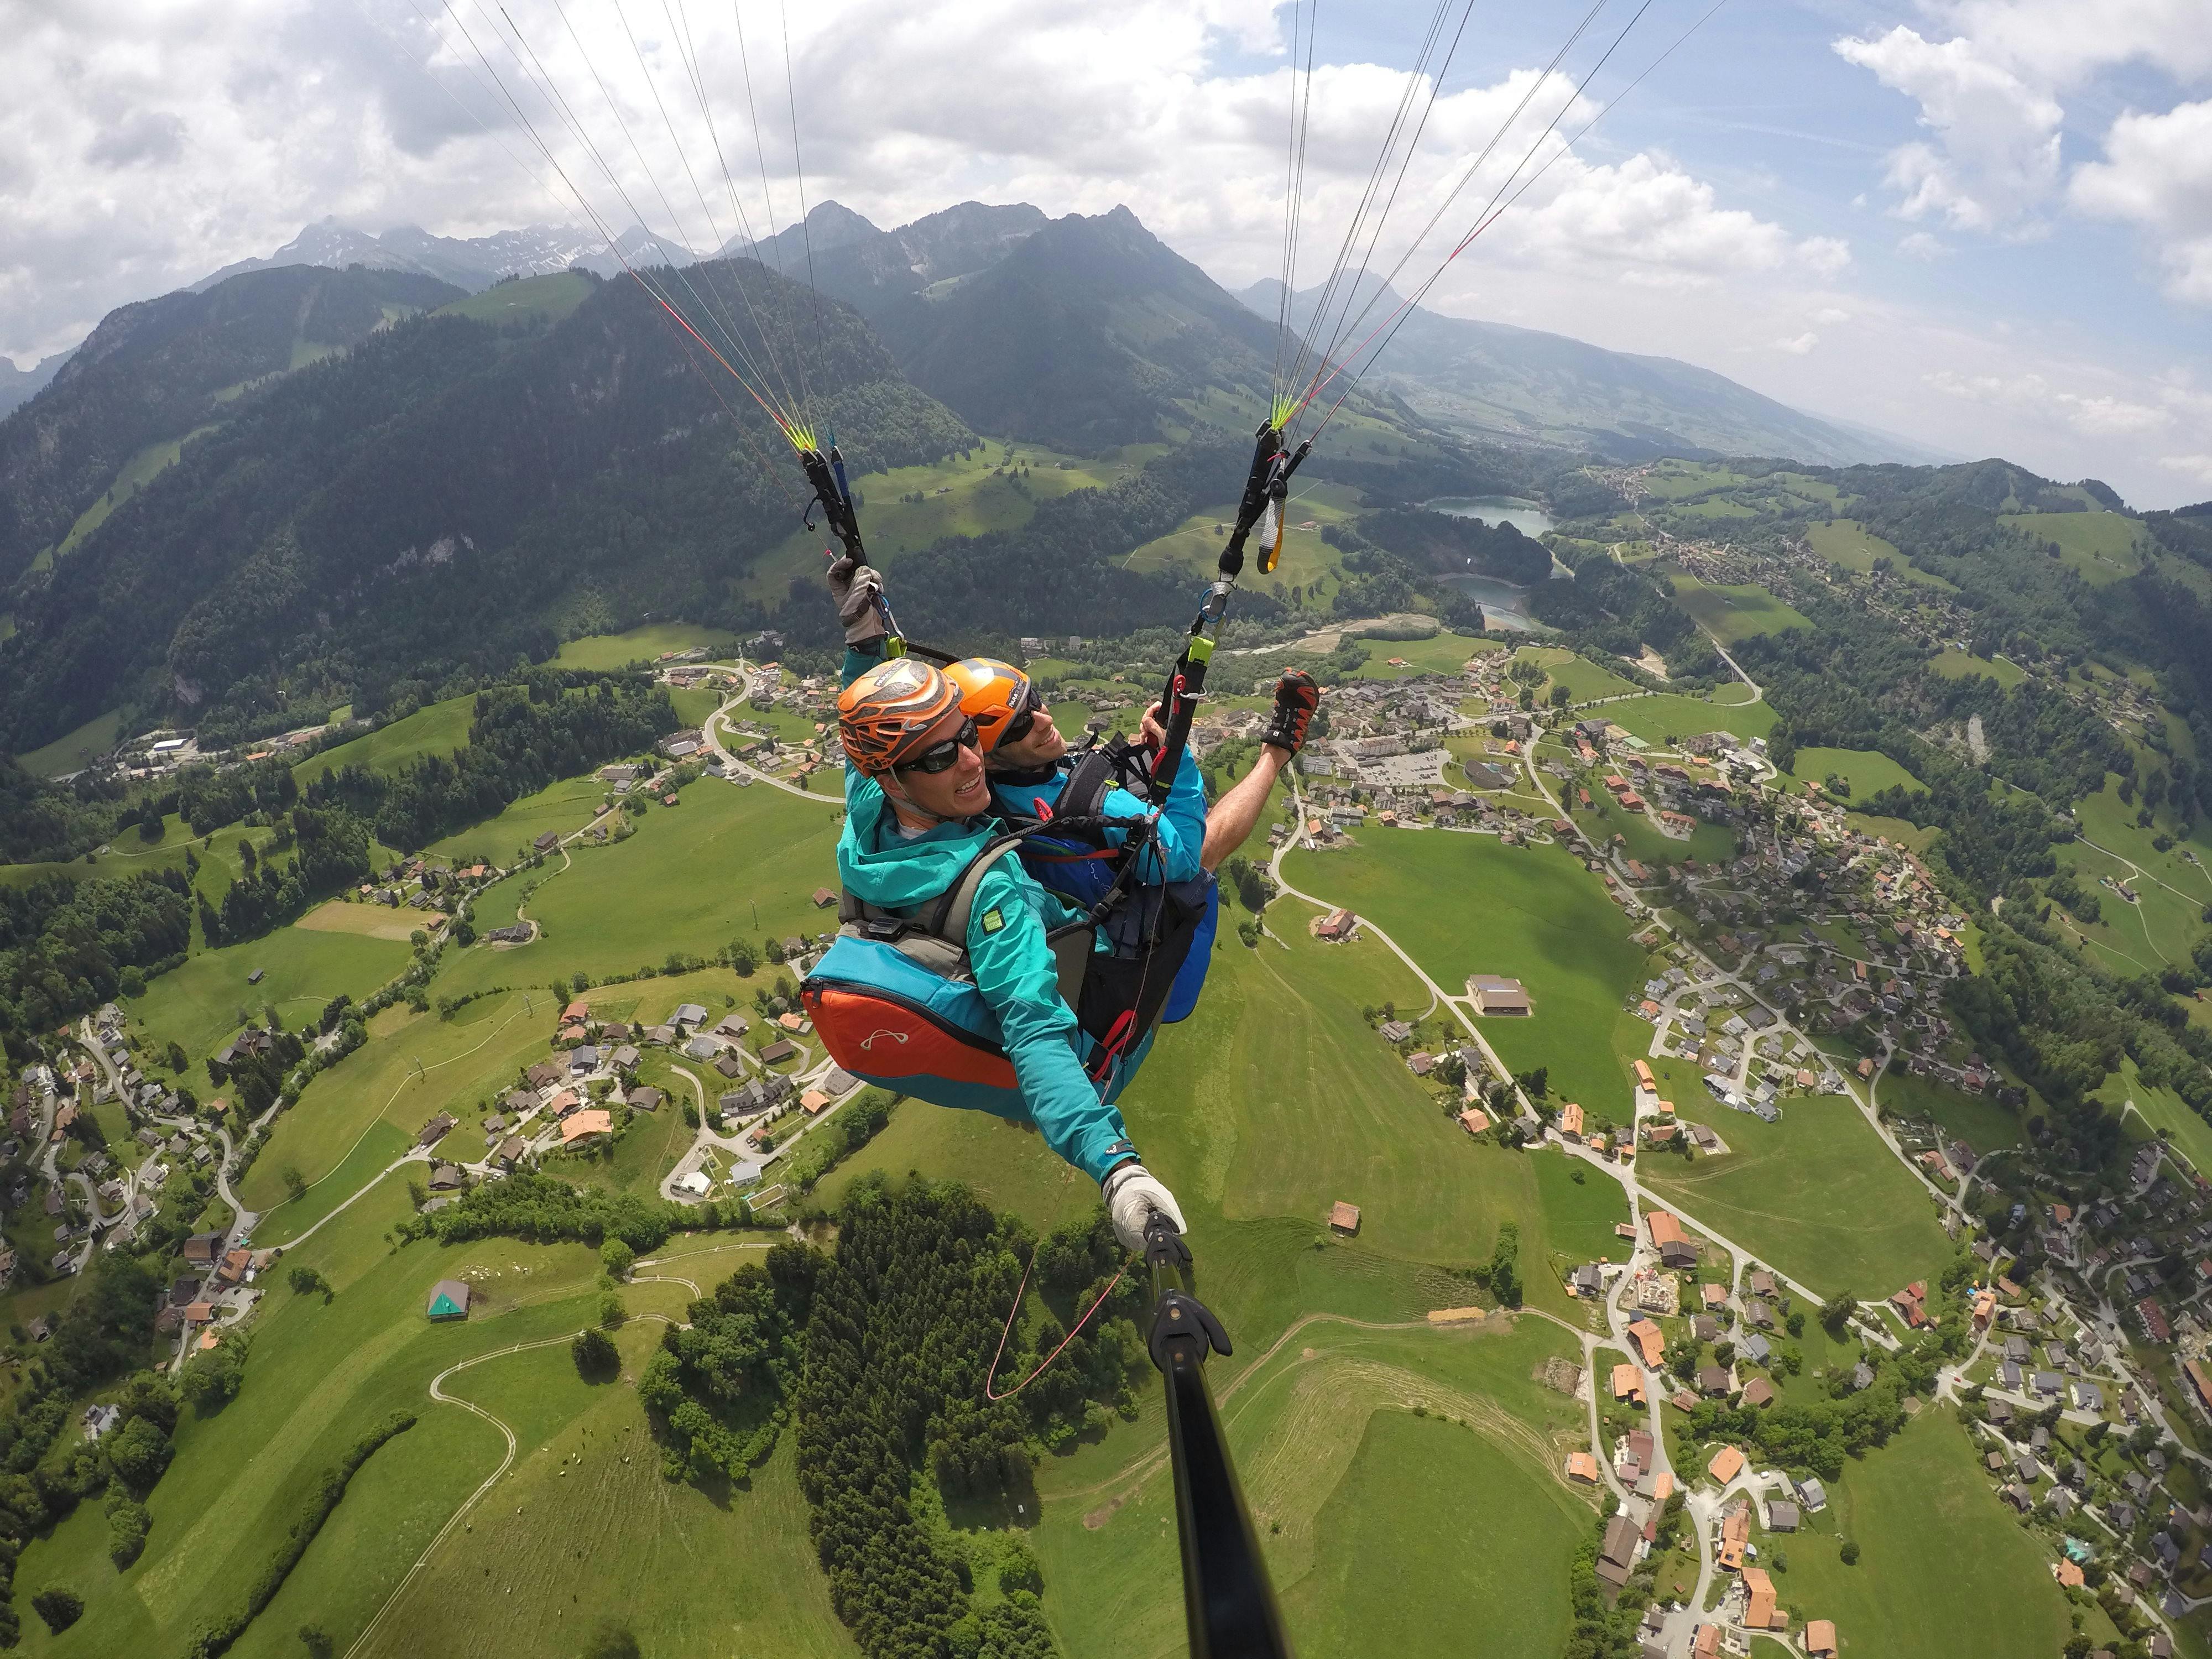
(859, 592)
(1132, 1193)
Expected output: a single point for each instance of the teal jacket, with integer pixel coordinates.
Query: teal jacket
(1013, 967)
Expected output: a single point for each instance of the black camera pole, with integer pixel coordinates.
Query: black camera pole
(1228, 1602)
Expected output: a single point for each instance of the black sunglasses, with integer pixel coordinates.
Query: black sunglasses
(941, 756)
(1019, 726)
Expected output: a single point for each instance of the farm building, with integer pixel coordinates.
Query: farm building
(1345, 1218)
(449, 1299)
(1495, 995)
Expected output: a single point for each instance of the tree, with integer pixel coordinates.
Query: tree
(595, 1355)
(60, 1608)
(139, 1452)
(1836, 1311)
(128, 1523)
(616, 1257)
(305, 1281)
(1849, 1555)
(316, 1641)
(743, 959)
(612, 1640)
(1019, 1570)
(612, 1311)
(179, 1061)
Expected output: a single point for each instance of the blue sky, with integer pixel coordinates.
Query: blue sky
(1983, 224)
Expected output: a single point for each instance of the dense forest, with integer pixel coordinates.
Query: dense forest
(1446, 544)
(903, 1323)
(519, 741)
(66, 947)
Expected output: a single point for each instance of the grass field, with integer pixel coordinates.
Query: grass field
(585, 1515)
(1465, 904)
(564, 807)
(2101, 545)
(1009, 1167)
(1737, 612)
(197, 1004)
(552, 296)
(141, 470)
(1942, 1570)
(1442, 653)
(727, 863)
(960, 496)
(318, 1376)
(1868, 771)
(1408, 1547)
(1958, 664)
(1334, 1463)
(1849, 544)
(1656, 719)
(475, 1054)
(69, 752)
(437, 728)
(2157, 1109)
(1583, 678)
(1818, 1195)
(369, 921)
(603, 652)
(1982, 1124)
(1606, 817)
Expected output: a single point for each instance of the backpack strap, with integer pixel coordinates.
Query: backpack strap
(949, 920)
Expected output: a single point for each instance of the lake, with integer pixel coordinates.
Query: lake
(1504, 604)
(1526, 517)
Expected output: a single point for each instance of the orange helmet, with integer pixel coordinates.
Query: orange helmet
(885, 714)
(993, 695)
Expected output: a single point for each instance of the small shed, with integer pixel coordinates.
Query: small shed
(1345, 1218)
(449, 1299)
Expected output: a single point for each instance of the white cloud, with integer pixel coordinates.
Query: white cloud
(2063, 42)
(1829, 316)
(2197, 467)
(2094, 415)
(1996, 157)
(1920, 244)
(1799, 345)
(2157, 173)
(1826, 254)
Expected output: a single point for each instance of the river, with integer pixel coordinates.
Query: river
(1504, 604)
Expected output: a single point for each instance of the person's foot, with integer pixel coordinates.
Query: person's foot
(1297, 696)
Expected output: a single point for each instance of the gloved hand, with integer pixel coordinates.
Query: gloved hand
(1132, 1193)
(859, 590)
(1297, 696)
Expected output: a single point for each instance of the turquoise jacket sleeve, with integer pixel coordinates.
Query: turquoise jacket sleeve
(1182, 827)
(1015, 972)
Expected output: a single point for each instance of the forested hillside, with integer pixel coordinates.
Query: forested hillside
(164, 367)
(432, 502)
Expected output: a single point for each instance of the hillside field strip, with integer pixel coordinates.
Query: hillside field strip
(1736, 612)
(1462, 904)
(437, 728)
(203, 1004)
(1332, 1459)
(1866, 770)
(2102, 546)
(607, 651)
(1818, 1195)
(1943, 1567)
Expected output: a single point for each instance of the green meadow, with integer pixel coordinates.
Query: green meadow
(562, 807)
(724, 863)
(1736, 612)
(552, 296)
(72, 750)
(606, 652)
(2101, 545)
(1467, 904)
(1980, 1123)
(1670, 714)
(1867, 771)
(198, 1006)
(1954, 664)
(1583, 678)
(1943, 1567)
(437, 728)
(1334, 1464)
(1818, 1195)
(1851, 545)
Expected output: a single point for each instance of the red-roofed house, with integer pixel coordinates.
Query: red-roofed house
(1649, 1339)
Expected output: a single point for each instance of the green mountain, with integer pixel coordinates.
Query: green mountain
(155, 372)
(429, 502)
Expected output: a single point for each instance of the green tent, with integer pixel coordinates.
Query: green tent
(449, 1299)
